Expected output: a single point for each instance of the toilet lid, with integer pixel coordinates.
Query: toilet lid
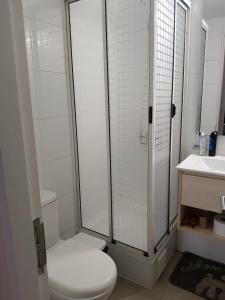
(76, 270)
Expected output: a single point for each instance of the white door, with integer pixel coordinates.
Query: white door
(19, 189)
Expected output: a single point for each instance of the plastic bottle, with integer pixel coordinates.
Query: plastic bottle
(212, 143)
(202, 143)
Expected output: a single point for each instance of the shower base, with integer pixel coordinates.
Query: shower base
(143, 270)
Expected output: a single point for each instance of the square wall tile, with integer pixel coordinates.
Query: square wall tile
(59, 176)
(66, 213)
(220, 147)
(216, 26)
(48, 47)
(210, 94)
(214, 47)
(51, 94)
(50, 11)
(209, 117)
(55, 138)
(211, 74)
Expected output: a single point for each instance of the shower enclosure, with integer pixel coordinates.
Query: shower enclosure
(127, 73)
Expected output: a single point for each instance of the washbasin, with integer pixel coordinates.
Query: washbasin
(204, 164)
(214, 163)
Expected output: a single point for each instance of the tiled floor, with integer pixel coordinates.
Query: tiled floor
(163, 290)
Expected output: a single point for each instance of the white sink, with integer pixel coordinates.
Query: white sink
(204, 164)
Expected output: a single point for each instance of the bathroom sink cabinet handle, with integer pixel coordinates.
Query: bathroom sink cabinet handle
(223, 204)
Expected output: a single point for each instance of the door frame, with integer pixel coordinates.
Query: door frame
(19, 187)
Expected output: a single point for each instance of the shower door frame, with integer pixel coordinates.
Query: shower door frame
(81, 228)
(150, 220)
(151, 126)
(186, 5)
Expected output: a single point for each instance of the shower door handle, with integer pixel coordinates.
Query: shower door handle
(143, 139)
(143, 135)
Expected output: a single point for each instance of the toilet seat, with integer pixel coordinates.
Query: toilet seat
(78, 271)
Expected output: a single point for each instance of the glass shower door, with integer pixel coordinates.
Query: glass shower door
(165, 16)
(180, 32)
(128, 66)
(87, 29)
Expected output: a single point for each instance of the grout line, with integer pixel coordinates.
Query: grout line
(55, 159)
(46, 22)
(66, 116)
(65, 194)
(46, 71)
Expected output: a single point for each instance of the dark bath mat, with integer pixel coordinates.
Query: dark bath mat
(201, 276)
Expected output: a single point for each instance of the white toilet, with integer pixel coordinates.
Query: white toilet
(77, 267)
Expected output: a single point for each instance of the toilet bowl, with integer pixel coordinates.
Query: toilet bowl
(77, 268)
(78, 271)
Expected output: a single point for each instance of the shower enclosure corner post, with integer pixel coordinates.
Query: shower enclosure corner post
(107, 107)
(152, 58)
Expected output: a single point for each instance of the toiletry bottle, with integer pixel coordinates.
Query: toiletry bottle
(202, 143)
(212, 143)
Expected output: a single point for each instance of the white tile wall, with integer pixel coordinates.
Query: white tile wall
(55, 137)
(47, 46)
(44, 29)
(50, 11)
(59, 175)
(213, 74)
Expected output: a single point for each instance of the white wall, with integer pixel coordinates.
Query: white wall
(213, 74)
(192, 107)
(45, 41)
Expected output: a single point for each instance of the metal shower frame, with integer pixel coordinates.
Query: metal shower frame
(151, 251)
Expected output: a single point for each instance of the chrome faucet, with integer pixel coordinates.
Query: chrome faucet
(195, 147)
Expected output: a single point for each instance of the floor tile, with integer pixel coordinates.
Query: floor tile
(174, 293)
(128, 290)
(163, 282)
(163, 290)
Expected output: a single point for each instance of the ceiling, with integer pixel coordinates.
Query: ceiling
(213, 8)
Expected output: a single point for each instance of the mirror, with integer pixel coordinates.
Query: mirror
(213, 93)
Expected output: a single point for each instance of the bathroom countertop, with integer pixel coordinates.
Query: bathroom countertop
(214, 165)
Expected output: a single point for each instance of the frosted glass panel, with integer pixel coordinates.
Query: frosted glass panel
(177, 100)
(164, 78)
(86, 17)
(128, 52)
